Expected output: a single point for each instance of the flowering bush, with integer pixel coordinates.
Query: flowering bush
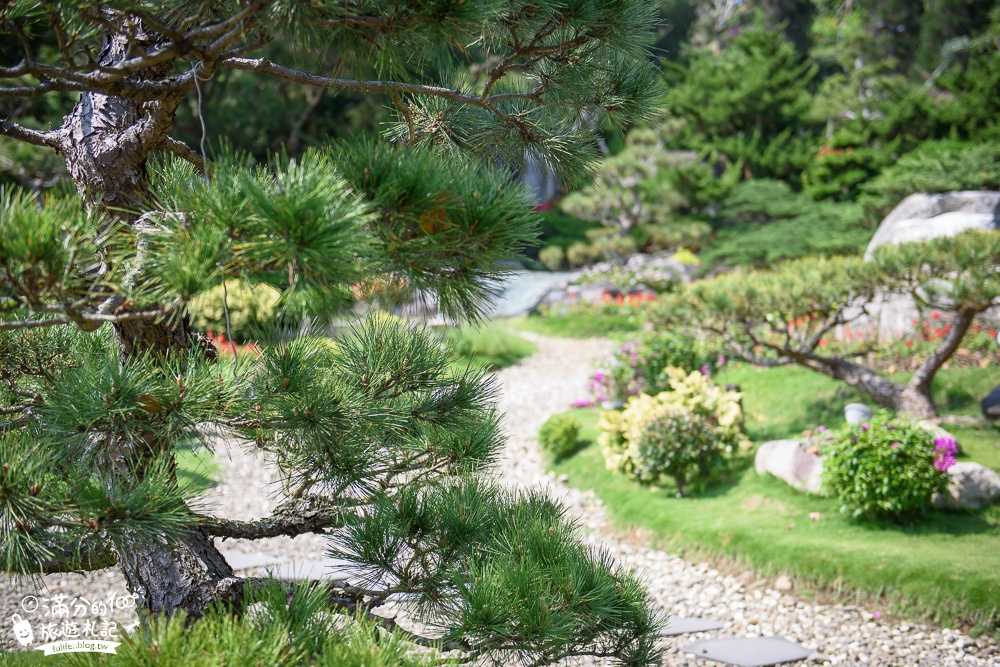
(642, 365)
(628, 448)
(677, 443)
(887, 468)
(559, 435)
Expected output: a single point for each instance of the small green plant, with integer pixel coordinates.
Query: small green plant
(559, 435)
(680, 444)
(887, 468)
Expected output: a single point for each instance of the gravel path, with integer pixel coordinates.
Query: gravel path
(542, 385)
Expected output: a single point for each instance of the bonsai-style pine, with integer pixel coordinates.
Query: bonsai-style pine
(780, 317)
(381, 445)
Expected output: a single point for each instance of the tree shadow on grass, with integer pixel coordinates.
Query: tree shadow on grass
(938, 522)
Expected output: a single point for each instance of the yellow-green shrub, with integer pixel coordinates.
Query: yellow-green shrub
(691, 396)
(249, 307)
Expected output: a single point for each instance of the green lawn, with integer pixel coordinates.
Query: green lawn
(944, 568)
(576, 325)
(490, 347)
(197, 470)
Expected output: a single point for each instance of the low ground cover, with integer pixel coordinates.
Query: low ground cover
(943, 567)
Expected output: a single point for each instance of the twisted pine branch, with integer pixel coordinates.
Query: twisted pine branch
(297, 516)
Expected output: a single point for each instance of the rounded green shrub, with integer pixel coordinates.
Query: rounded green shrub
(886, 468)
(552, 257)
(680, 444)
(559, 435)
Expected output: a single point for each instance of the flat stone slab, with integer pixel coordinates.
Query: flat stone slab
(749, 651)
(679, 625)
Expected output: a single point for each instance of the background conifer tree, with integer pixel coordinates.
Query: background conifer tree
(382, 446)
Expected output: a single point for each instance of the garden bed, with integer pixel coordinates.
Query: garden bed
(944, 567)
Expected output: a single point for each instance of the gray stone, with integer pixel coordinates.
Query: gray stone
(991, 404)
(679, 625)
(921, 216)
(856, 413)
(310, 570)
(749, 652)
(788, 461)
(970, 486)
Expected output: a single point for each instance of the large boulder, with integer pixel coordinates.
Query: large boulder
(788, 461)
(970, 486)
(920, 217)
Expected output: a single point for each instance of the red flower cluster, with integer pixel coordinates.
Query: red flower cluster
(225, 346)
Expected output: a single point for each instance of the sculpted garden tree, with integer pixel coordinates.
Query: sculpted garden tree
(786, 315)
(381, 445)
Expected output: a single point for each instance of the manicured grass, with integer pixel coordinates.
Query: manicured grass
(576, 325)
(197, 471)
(944, 567)
(489, 347)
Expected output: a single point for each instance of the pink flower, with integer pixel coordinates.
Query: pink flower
(815, 516)
(583, 403)
(821, 429)
(894, 445)
(864, 427)
(722, 361)
(703, 370)
(877, 614)
(944, 453)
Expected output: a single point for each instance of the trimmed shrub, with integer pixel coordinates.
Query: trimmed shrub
(887, 468)
(250, 309)
(679, 444)
(627, 447)
(552, 257)
(559, 436)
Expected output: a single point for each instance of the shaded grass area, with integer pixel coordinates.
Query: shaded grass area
(945, 567)
(489, 347)
(197, 471)
(576, 325)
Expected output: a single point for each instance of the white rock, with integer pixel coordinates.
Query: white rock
(970, 486)
(786, 460)
(921, 216)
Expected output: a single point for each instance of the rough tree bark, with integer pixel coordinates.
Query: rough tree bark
(105, 142)
(912, 398)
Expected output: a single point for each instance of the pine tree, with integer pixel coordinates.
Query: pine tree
(382, 446)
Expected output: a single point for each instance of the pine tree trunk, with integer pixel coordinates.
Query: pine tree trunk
(105, 143)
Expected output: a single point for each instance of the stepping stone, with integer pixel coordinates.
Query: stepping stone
(748, 651)
(679, 625)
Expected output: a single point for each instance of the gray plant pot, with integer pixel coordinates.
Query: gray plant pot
(856, 413)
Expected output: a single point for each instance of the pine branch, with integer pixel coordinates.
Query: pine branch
(312, 514)
(183, 151)
(15, 131)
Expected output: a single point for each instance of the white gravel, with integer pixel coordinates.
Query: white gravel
(542, 385)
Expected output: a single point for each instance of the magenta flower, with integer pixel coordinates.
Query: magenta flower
(877, 614)
(703, 370)
(821, 429)
(722, 361)
(815, 516)
(583, 403)
(894, 445)
(864, 427)
(944, 453)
